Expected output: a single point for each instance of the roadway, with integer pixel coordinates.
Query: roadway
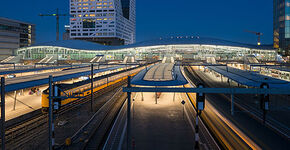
(248, 129)
(160, 126)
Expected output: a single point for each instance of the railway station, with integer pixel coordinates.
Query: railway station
(171, 93)
(104, 75)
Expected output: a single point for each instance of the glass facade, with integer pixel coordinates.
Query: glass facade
(281, 26)
(196, 51)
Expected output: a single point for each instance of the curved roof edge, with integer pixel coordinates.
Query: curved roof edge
(86, 45)
(178, 80)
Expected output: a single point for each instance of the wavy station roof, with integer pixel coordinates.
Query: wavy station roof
(85, 45)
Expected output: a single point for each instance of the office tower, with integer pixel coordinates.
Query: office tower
(109, 22)
(15, 34)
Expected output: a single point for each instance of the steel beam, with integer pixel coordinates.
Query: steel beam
(285, 91)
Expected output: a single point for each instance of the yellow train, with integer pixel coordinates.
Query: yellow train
(82, 88)
(191, 96)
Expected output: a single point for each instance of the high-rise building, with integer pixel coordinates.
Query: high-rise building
(281, 34)
(109, 22)
(15, 34)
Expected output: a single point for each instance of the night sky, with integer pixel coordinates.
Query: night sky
(223, 19)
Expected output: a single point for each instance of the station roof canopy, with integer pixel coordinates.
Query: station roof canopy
(14, 85)
(249, 78)
(176, 78)
(85, 45)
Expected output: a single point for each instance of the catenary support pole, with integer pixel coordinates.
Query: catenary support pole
(92, 86)
(173, 96)
(15, 96)
(50, 117)
(155, 97)
(129, 116)
(3, 112)
(196, 146)
(232, 104)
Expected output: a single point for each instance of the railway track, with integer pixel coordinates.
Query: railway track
(207, 140)
(252, 111)
(17, 135)
(98, 126)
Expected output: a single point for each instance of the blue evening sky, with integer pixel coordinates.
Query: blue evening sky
(224, 19)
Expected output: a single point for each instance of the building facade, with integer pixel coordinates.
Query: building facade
(197, 48)
(108, 22)
(15, 34)
(281, 31)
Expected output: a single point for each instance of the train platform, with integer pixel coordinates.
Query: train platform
(25, 103)
(160, 126)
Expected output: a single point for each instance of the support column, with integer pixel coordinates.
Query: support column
(15, 96)
(142, 96)
(129, 116)
(173, 96)
(3, 112)
(196, 146)
(107, 81)
(50, 115)
(232, 104)
(155, 97)
(92, 86)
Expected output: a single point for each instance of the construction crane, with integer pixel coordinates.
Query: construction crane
(57, 15)
(259, 34)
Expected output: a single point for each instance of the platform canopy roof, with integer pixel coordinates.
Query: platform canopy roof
(85, 45)
(176, 80)
(249, 78)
